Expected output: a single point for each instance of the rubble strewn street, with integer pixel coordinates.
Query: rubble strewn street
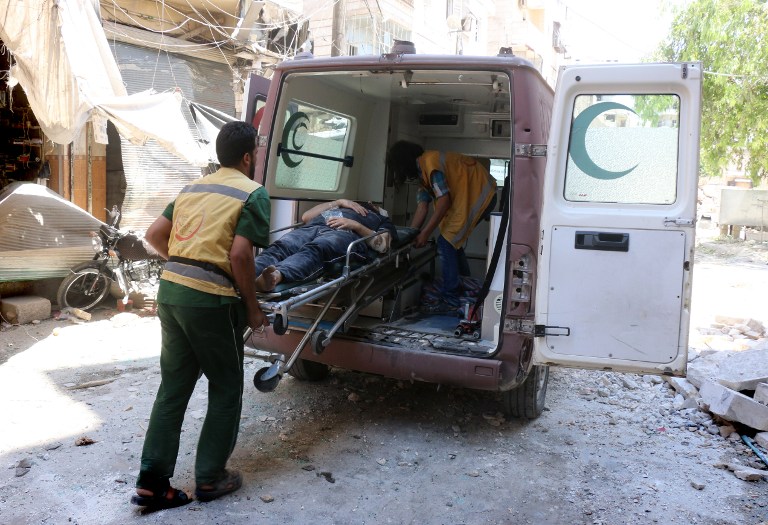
(610, 448)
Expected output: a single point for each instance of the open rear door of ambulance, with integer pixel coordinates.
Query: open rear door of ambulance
(618, 221)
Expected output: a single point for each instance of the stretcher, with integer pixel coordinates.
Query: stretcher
(361, 285)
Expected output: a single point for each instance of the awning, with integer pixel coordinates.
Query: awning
(64, 63)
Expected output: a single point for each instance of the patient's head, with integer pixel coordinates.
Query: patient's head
(375, 208)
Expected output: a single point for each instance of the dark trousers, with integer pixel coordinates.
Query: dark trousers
(302, 253)
(194, 341)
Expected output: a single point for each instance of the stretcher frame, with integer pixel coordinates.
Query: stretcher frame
(359, 280)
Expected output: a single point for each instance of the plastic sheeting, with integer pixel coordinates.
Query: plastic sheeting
(64, 64)
(41, 234)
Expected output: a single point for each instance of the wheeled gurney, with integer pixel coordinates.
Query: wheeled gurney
(362, 284)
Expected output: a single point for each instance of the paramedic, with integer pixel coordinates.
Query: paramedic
(329, 228)
(205, 300)
(463, 193)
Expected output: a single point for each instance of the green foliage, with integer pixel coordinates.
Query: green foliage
(652, 107)
(730, 38)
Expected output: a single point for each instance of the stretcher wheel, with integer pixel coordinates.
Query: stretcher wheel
(279, 325)
(476, 335)
(458, 332)
(265, 385)
(318, 340)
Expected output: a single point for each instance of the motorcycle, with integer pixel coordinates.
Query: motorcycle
(121, 257)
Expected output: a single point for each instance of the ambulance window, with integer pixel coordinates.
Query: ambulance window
(499, 170)
(623, 149)
(312, 148)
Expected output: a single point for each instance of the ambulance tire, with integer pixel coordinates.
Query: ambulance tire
(527, 400)
(305, 370)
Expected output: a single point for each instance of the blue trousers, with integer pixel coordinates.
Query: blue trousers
(302, 253)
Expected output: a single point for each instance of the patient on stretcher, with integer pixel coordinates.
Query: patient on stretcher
(329, 228)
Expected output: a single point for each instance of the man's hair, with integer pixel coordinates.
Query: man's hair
(234, 140)
(402, 159)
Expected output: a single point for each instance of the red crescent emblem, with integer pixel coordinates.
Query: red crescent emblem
(188, 227)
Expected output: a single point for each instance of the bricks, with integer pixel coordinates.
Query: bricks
(733, 406)
(25, 309)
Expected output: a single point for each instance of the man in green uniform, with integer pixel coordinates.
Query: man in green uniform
(206, 299)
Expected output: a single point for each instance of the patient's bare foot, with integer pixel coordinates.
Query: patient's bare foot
(268, 279)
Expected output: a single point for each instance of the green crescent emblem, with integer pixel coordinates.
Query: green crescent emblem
(578, 148)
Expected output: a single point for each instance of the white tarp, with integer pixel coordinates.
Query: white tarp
(64, 63)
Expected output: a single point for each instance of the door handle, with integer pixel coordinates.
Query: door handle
(606, 241)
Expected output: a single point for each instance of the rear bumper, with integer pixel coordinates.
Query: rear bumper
(404, 364)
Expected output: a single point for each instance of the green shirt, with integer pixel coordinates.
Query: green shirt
(253, 224)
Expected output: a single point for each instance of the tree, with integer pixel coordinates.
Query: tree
(730, 38)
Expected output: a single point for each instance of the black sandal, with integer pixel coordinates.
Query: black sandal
(160, 501)
(231, 481)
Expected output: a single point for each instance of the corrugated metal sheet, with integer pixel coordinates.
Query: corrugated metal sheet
(41, 234)
(153, 175)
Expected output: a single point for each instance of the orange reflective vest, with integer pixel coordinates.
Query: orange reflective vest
(471, 188)
(205, 216)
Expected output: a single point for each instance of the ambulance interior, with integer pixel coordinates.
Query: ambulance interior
(331, 134)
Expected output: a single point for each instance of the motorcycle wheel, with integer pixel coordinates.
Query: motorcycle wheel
(83, 289)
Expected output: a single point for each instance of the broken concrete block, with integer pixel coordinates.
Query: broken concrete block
(750, 474)
(25, 309)
(757, 326)
(683, 386)
(737, 370)
(733, 406)
(726, 430)
(727, 320)
(761, 393)
(761, 438)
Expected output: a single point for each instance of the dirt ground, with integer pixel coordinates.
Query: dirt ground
(609, 449)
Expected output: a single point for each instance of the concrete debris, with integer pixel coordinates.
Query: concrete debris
(683, 387)
(23, 466)
(25, 309)
(737, 370)
(761, 393)
(761, 438)
(750, 474)
(697, 484)
(742, 472)
(77, 312)
(83, 441)
(267, 498)
(734, 406)
(726, 430)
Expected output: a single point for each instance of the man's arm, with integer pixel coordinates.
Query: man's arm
(158, 234)
(244, 272)
(442, 205)
(325, 206)
(422, 208)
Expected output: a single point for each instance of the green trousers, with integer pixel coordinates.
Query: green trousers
(196, 340)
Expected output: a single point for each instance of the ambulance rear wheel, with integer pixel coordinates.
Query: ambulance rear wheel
(305, 370)
(527, 400)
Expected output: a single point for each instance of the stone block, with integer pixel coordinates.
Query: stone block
(744, 370)
(25, 309)
(734, 406)
(761, 438)
(730, 321)
(761, 393)
(682, 386)
(757, 326)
